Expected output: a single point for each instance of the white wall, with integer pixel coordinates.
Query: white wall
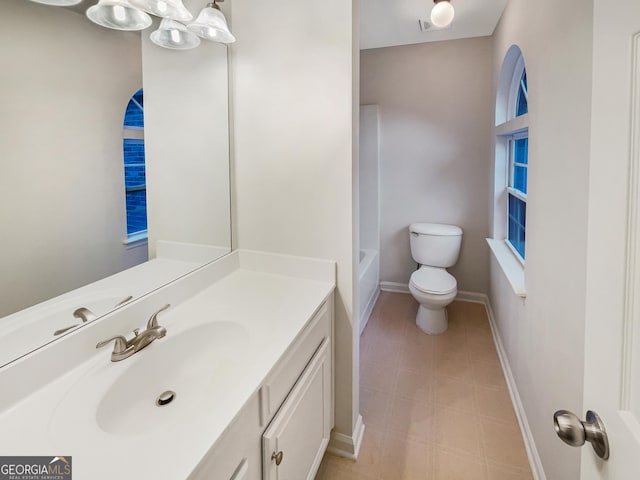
(294, 132)
(369, 179)
(64, 87)
(187, 142)
(435, 112)
(544, 337)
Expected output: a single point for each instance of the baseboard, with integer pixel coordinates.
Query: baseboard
(532, 452)
(347, 446)
(364, 319)
(472, 297)
(394, 287)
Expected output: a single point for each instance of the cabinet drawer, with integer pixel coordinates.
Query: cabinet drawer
(295, 441)
(281, 381)
(237, 456)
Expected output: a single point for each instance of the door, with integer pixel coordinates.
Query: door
(612, 347)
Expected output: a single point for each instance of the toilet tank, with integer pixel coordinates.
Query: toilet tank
(435, 244)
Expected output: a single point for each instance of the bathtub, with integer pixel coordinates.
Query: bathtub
(368, 284)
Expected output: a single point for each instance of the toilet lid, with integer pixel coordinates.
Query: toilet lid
(433, 280)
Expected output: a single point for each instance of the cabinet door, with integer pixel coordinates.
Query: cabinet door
(299, 433)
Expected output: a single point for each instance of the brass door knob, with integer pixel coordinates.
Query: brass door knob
(277, 457)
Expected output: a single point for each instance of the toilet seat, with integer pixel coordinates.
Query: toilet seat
(433, 280)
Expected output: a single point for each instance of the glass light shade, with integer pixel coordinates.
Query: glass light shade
(211, 25)
(174, 35)
(173, 9)
(442, 13)
(118, 15)
(58, 3)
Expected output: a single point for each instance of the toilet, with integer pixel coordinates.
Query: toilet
(435, 247)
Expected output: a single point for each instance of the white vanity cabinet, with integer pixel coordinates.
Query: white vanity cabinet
(293, 445)
(249, 353)
(283, 430)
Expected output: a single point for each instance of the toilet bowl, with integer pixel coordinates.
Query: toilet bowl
(434, 288)
(435, 247)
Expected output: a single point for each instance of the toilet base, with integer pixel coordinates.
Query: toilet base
(432, 322)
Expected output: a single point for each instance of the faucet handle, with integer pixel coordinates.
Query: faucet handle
(62, 330)
(123, 301)
(120, 345)
(153, 321)
(84, 314)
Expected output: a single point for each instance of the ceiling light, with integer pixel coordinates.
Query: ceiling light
(173, 9)
(174, 35)
(118, 15)
(212, 25)
(442, 13)
(58, 3)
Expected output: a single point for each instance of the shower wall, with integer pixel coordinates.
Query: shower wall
(369, 179)
(369, 186)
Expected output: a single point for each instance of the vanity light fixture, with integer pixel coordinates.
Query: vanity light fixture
(133, 15)
(211, 24)
(442, 13)
(58, 3)
(118, 15)
(173, 9)
(174, 35)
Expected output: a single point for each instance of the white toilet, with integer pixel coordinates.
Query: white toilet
(435, 247)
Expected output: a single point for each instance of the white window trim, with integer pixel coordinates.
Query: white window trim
(512, 163)
(512, 269)
(512, 128)
(515, 125)
(516, 193)
(135, 133)
(137, 239)
(514, 252)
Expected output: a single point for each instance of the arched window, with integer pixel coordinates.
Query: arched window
(522, 104)
(512, 152)
(134, 168)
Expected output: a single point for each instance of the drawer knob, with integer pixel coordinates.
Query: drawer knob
(277, 457)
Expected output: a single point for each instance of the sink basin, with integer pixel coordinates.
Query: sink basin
(192, 363)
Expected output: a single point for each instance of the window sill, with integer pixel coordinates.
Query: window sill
(512, 268)
(136, 240)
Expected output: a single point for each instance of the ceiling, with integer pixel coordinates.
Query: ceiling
(386, 23)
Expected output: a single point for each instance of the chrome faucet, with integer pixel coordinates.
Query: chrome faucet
(124, 348)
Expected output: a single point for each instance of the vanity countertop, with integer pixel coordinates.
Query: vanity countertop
(259, 308)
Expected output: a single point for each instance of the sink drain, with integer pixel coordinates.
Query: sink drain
(165, 398)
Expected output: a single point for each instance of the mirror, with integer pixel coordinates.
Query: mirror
(65, 86)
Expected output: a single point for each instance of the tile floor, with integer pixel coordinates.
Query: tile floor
(435, 407)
